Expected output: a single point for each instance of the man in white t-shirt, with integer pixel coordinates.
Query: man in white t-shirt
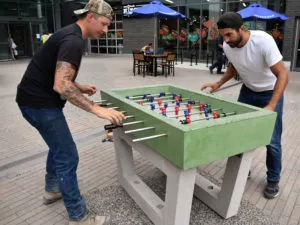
(254, 55)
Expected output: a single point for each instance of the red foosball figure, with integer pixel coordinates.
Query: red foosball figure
(189, 108)
(188, 119)
(159, 102)
(176, 111)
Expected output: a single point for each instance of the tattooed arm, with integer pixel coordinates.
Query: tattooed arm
(86, 89)
(64, 85)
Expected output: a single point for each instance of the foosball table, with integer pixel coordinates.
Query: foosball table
(178, 130)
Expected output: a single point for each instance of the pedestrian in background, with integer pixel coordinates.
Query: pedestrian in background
(220, 56)
(12, 48)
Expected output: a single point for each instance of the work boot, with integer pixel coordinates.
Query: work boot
(92, 220)
(271, 190)
(51, 197)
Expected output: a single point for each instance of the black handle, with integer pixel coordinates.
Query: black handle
(111, 126)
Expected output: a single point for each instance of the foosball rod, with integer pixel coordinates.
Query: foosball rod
(113, 126)
(103, 104)
(149, 137)
(181, 108)
(99, 101)
(197, 113)
(147, 95)
(138, 130)
(210, 117)
(147, 99)
(170, 100)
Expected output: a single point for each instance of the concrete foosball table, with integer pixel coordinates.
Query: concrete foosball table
(178, 149)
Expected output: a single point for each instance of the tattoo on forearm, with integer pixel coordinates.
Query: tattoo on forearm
(64, 75)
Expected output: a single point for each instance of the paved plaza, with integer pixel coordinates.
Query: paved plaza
(23, 154)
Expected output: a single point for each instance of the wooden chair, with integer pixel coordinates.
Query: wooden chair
(169, 64)
(140, 63)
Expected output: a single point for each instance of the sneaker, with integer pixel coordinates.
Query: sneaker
(50, 197)
(271, 190)
(211, 70)
(92, 220)
(220, 72)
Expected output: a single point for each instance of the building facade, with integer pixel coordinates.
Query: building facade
(26, 20)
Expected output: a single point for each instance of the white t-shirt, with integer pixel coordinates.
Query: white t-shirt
(253, 61)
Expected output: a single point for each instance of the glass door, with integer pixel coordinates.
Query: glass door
(4, 46)
(21, 35)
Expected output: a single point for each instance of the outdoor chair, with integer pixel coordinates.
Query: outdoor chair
(140, 63)
(169, 64)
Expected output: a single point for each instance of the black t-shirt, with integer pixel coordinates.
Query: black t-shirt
(36, 87)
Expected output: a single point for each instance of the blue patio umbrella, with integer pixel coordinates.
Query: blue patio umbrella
(157, 10)
(258, 11)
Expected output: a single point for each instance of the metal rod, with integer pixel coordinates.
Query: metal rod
(148, 95)
(113, 126)
(123, 112)
(104, 104)
(138, 130)
(100, 101)
(131, 116)
(222, 115)
(132, 123)
(146, 99)
(116, 107)
(171, 100)
(148, 137)
(207, 105)
(195, 113)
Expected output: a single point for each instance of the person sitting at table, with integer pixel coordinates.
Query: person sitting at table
(148, 49)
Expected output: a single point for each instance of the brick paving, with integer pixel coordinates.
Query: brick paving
(23, 152)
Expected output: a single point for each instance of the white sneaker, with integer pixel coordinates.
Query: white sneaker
(92, 220)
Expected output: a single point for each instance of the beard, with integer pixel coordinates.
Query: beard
(234, 44)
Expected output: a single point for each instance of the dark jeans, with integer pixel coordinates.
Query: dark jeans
(219, 63)
(261, 99)
(62, 158)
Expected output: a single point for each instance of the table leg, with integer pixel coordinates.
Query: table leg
(225, 200)
(179, 189)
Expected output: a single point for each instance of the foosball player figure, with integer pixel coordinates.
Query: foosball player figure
(152, 106)
(109, 136)
(176, 111)
(201, 107)
(189, 108)
(159, 102)
(215, 115)
(206, 112)
(164, 112)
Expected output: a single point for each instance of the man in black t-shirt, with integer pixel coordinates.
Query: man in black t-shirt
(220, 56)
(48, 82)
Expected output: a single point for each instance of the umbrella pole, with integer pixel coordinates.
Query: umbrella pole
(155, 34)
(177, 39)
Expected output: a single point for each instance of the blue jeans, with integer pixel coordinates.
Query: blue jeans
(261, 99)
(62, 157)
(219, 63)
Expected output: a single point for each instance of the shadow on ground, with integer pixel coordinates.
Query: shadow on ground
(114, 201)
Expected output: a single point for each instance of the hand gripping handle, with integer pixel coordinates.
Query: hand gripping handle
(111, 126)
